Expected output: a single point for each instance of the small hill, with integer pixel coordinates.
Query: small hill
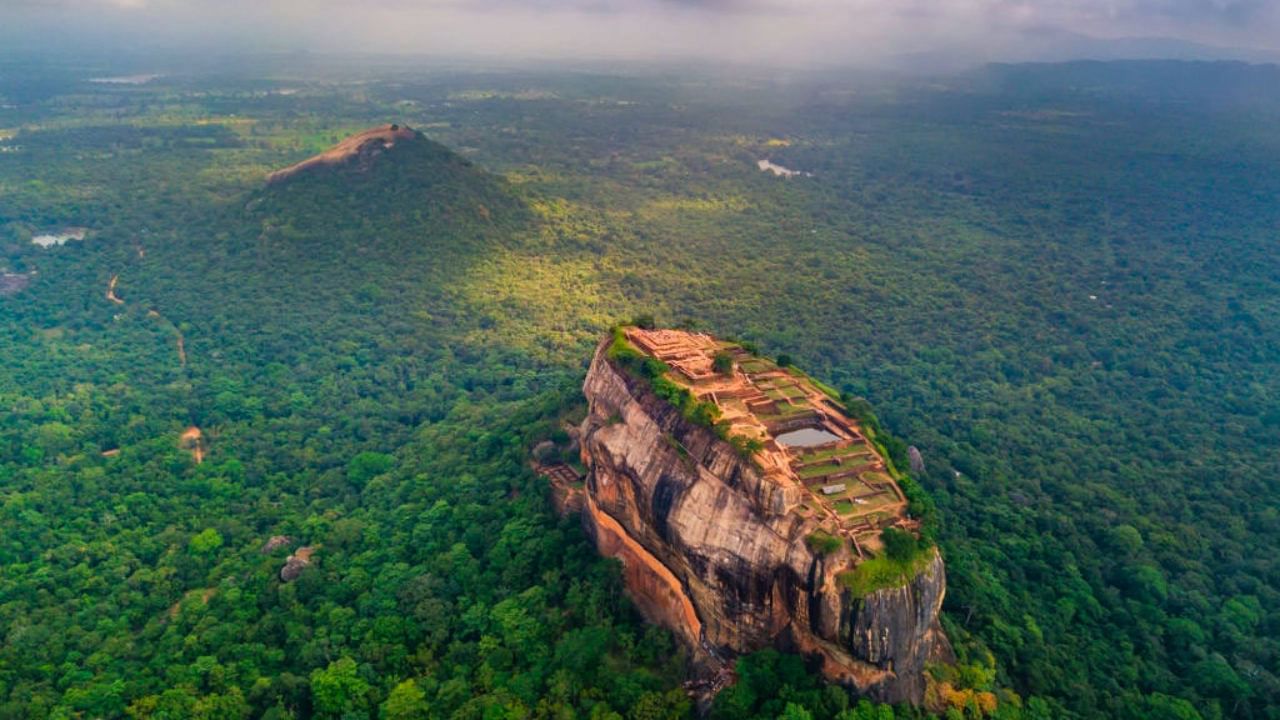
(387, 182)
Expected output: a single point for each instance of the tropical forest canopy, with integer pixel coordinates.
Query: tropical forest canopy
(1058, 282)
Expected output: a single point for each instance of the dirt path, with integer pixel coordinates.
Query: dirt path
(111, 290)
(192, 439)
(180, 340)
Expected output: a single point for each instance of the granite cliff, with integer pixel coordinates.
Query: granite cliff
(729, 538)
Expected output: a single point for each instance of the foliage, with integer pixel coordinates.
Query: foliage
(206, 541)
(772, 685)
(899, 545)
(654, 371)
(823, 543)
(885, 571)
(722, 363)
(920, 505)
(745, 446)
(1059, 281)
(406, 701)
(644, 322)
(367, 465)
(338, 689)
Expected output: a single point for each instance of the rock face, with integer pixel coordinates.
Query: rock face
(360, 149)
(708, 553)
(275, 542)
(296, 563)
(916, 459)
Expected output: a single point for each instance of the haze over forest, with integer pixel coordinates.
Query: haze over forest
(912, 33)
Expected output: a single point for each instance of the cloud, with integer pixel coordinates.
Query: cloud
(779, 31)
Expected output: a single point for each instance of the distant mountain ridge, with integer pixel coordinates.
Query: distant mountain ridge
(1218, 85)
(1058, 46)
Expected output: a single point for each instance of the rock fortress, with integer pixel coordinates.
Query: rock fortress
(750, 509)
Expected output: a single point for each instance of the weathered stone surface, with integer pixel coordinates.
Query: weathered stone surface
(275, 542)
(710, 551)
(296, 563)
(359, 150)
(567, 494)
(544, 451)
(916, 459)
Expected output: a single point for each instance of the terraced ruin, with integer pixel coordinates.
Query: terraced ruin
(803, 436)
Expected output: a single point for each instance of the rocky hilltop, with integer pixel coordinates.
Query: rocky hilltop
(416, 192)
(359, 150)
(749, 510)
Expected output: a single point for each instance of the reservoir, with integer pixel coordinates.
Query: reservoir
(806, 437)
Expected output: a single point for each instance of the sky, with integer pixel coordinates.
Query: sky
(799, 32)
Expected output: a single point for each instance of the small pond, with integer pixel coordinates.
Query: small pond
(806, 437)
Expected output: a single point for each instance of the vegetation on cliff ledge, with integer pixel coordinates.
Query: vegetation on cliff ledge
(903, 559)
(823, 542)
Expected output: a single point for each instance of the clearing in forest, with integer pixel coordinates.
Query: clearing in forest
(192, 439)
(111, 290)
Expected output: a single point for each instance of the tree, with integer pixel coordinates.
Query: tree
(206, 541)
(55, 437)
(644, 321)
(228, 706)
(722, 363)
(899, 545)
(654, 705)
(1148, 583)
(1215, 677)
(368, 465)
(407, 701)
(794, 711)
(823, 543)
(1126, 539)
(338, 688)
(172, 704)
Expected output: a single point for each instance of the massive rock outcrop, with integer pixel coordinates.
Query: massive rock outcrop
(715, 550)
